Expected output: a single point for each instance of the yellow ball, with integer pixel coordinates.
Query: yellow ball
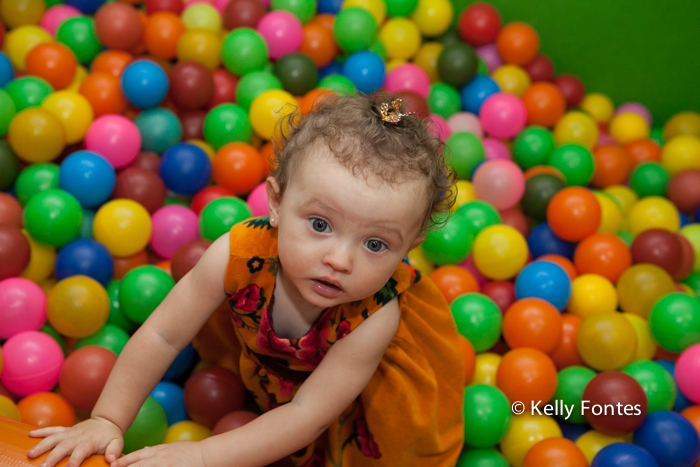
(73, 111)
(427, 57)
(682, 153)
(8, 409)
(186, 430)
(692, 234)
(512, 79)
(36, 135)
(599, 106)
(576, 127)
(646, 345)
(268, 108)
(433, 17)
(683, 123)
(625, 197)
(525, 431)
(77, 306)
(627, 127)
(377, 8)
(20, 41)
(80, 74)
(500, 252)
(401, 38)
(640, 286)
(41, 261)
(123, 226)
(393, 63)
(485, 368)
(417, 259)
(653, 212)
(201, 46)
(591, 294)
(16, 13)
(203, 16)
(610, 213)
(465, 193)
(606, 341)
(593, 441)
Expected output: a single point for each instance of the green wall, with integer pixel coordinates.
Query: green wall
(646, 51)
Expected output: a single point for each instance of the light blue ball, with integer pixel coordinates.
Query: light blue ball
(366, 70)
(545, 280)
(87, 176)
(475, 92)
(144, 84)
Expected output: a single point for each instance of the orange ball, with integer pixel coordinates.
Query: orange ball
(517, 43)
(326, 20)
(312, 98)
(603, 254)
(573, 213)
(469, 359)
(543, 169)
(566, 354)
(46, 409)
(692, 413)
(545, 104)
(318, 44)
(238, 167)
(111, 61)
(612, 166)
(559, 452)
(454, 281)
(527, 375)
(642, 150)
(532, 323)
(563, 262)
(53, 62)
(162, 33)
(102, 90)
(266, 153)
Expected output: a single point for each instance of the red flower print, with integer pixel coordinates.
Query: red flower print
(366, 439)
(286, 387)
(342, 330)
(247, 299)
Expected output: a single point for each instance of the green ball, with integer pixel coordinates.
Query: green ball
(444, 100)
(575, 162)
(674, 321)
(53, 217)
(142, 289)
(7, 111)
(396, 8)
(9, 163)
(451, 244)
(464, 151)
(478, 318)
(253, 84)
(78, 34)
(626, 237)
(148, 428)
(34, 179)
(483, 68)
(86, 225)
(305, 10)
(693, 281)
(354, 29)
(449, 37)
(339, 84)
(170, 200)
(244, 50)
(533, 147)
(487, 416)
(116, 317)
(479, 215)
(657, 383)
(482, 458)
(110, 337)
(55, 335)
(227, 123)
(649, 179)
(539, 190)
(657, 134)
(28, 91)
(571, 382)
(160, 128)
(457, 64)
(297, 72)
(378, 48)
(220, 215)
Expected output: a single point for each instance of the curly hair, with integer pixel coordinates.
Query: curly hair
(362, 142)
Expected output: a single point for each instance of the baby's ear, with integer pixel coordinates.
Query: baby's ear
(273, 200)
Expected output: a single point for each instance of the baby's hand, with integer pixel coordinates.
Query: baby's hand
(92, 436)
(180, 453)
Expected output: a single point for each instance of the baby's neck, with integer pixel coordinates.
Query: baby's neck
(293, 316)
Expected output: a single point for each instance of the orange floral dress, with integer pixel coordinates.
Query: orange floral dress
(410, 412)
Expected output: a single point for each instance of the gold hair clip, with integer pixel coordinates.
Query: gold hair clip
(391, 112)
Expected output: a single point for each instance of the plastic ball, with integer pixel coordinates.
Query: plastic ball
(684, 191)
(526, 431)
(191, 85)
(499, 252)
(532, 323)
(244, 51)
(55, 15)
(612, 166)
(142, 290)
(220, 215)
(606, 341)
(238, 167)
(576, 127)
(400, 36)
(573, 213)
(44, 409)
(203, 16)
(653, 212)
(21, 40)
(454, 281)
(200, 45)
(464, 152)
(503, 115)
(500, 183)
(657, 383)
(53, 62)
(544, 103)
(646, 345)
(297, 72)
(517, 43)
(141, 185)
(103, 94)
(628, 127)
(475, 92)
(73, 111)
(186, 257)
(457, 64)
(478, 319)
(681, 153)
(22, 306)
(160, 128)
(115, 138)
(512, 79)
(228, 123)
(162, 34)
(591, 294)
(77, 306)
(479, 24)
(36, 135)
(539, 191)
(408, 77)
(173, 226)
(640, 286)
(682, 123)
(544, 280)
(659, 247)
(211, 393)
(85, 257)
(267, 110)
(53, 217)
(78, 34)
(451, 244)
(613, 388)
(365, 69)
(16, 14)
(242, 14)
(144, 84)
(670, 438)
(123, 226)
(487, 413)
(603, 254)
(87, 176)
(185, 168)
(118, 26)
(233, 420)
(555, 451)
(687, 373)
(673, 321)
(170, 396)
(282, 32)
(31, 363)
(623, 454)
(15, 251)
(572, 382)
(432, 17)
(479, 215)
(186, 430)
(148, 429)
(110, 337)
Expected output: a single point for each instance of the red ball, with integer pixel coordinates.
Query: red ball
(207, 195)
(501, 292)
(243, 14)
(684, 190)
(414, 102)
(619, 390)
(10, 211)
(688, 261)
(191, 85)
(572, 88)
(187, 256)
(147, 160)
(84, 374)
(233, 420)
(141, 185)
(515, 218)
(540, 68)
(14, 251)
(224, 88)
(659, 247)
(2, 33)
(174, 6)
(118, 26)
(479, 24)
(192, 124)
(211, 393)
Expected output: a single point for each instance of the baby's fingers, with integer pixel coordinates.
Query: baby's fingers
(58, 453)
(80, 453)
(45, 444)
(114, 450)
(44, 432)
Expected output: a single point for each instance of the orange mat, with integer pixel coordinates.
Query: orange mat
(15, 442)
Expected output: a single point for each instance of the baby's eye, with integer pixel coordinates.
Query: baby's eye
(375, 246)
(319, 225)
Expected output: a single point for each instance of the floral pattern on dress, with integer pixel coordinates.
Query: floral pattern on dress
(245, 305)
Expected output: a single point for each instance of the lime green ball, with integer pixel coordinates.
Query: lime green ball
(34, 179)
(464, 151)
(693, 281)
(148, 428)
(674, 321)
(220, 215)
(110, 337)
(142, 290)
(487, 416)
(482, 458)
(28, 91)
(305, 10)
(479, 215)
(244, 50)
(626, 237)
(451, 244)
(116, 316)
(657, 383)
(339, 84)
(571, 383)
(657, 134)
(354, 29)
(253, 84)
(400, 7)
(78, 34)
(649, 179)
(53, 217)
(7, 112)
(444, 100)
(227, 123)
(575, 162)
(478, 318)
(532, 147)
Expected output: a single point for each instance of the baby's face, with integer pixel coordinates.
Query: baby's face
(336, 227)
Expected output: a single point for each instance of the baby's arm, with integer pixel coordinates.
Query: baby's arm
(330, 389)
(142, 363)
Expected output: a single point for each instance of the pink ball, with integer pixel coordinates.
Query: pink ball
(465, 121)
(489, 54)
(257, 200)
(496, 149)
(503, 115)
(22, 306)
(282, 32)
(32, 363)
(115, 138)
(469, 265)
(637, 108)
(173, 226)
(688, 373)
(56, 15)
(499, 182)
(604, 139)
(187, 3)
(408, 77)
(439, 127)
(221, 5)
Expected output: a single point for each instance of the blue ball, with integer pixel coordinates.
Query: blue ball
(84, 257)
(542, 241)
(570, 431)
(171, 397)
(144, 84)
(366, 70)
(181, 363)
(670, 438)
(86, 6)
(329, 6)
(333, 68)
(160, 128)
(87, 176)
(682, 402)
(545, 280)
(6, 72)
(623, 455)
(475, 92)
(185, 168)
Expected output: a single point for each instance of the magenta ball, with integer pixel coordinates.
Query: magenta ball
(56, 15)
(173, 226)
(115, 138)
(503, 115)
(496, 149)
(687, 373)
(408, 77)
(439, 127)
(499, 182)
(465, 121)
(257, 201)
(636, 108)
(282, 32)
(22, 306)
(469, 265)
(489, 54)
(221, 5)
(32, 362)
